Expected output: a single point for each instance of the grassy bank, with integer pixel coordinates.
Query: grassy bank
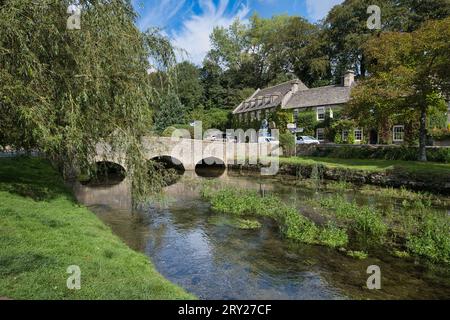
(372, 165)
(43, 231)
(430, 177)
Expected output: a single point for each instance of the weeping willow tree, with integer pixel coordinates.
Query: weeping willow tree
(63, 91)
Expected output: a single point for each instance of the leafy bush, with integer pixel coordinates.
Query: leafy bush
(287, 142)
(297, 227)
(333, 236)
(432, 239)
(365, 221)
(441, 134)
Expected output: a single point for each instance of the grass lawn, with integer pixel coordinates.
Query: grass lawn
(373, 165)
(43, 231)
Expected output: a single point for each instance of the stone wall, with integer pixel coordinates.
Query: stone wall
(389, 178)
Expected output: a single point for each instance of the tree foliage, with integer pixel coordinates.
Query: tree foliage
(188, 84)
(171, 112)
(63, 91)
(410, 78)
(346, 32)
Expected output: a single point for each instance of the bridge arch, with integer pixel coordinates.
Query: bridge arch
(210, 167)
(169, 162)
(106, 172)
(173, 169)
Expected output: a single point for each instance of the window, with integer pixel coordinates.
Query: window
(345, 135)
(331, 113)
(258, 115)
(296, 111)
(359, 135)
(399, 133)
(320, 114)
(321, 134)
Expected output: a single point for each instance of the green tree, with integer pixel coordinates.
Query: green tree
(345, 31)
(214, 118)
(410, 78)
(416, 12)
(171, 112)
(67, 90)
(288, 45)
(345, 28)
(188, 85)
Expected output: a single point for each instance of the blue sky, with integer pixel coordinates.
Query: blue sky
(190, 22)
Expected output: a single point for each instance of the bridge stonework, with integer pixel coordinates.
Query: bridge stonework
(191, 152)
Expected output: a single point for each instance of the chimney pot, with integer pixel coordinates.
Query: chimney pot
(349, 78)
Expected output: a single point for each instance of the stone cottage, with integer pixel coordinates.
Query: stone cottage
(321, 104)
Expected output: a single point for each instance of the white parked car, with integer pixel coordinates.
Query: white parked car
(307, 140)
(214, 139)
(267, 139)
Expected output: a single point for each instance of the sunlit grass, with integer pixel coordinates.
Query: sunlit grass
(43, 231)
(372, 165)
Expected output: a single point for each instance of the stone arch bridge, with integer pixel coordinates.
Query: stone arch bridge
(190, 153)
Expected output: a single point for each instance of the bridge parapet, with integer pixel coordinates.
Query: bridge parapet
(191, 152)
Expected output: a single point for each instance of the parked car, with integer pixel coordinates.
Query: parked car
(307, 140)
(231, 140)
(214, 139)
(266, 139)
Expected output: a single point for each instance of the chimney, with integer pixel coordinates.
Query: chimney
(349, 78)
(295, 87)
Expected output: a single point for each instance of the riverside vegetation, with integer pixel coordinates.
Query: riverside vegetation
(43, 230)
(414, 229)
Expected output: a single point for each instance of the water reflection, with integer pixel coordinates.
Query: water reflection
(199, 250)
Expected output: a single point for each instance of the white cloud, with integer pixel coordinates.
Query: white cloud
(157, 13)
(318, 9)
(196, 29)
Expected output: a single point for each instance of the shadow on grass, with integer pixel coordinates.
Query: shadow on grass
(31, 178)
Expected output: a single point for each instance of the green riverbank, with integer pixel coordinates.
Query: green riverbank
(431, 177)
(43, 231)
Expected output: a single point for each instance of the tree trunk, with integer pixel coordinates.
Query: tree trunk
(363, 66)
(423, 135)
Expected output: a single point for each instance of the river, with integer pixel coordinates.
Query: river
(199, 250)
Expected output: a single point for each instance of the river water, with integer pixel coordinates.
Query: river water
(199, 250)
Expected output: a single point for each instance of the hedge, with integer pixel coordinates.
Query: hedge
(403, 153)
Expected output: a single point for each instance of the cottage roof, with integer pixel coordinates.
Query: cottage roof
(269, 97)
(294, 94)
(323, 96)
